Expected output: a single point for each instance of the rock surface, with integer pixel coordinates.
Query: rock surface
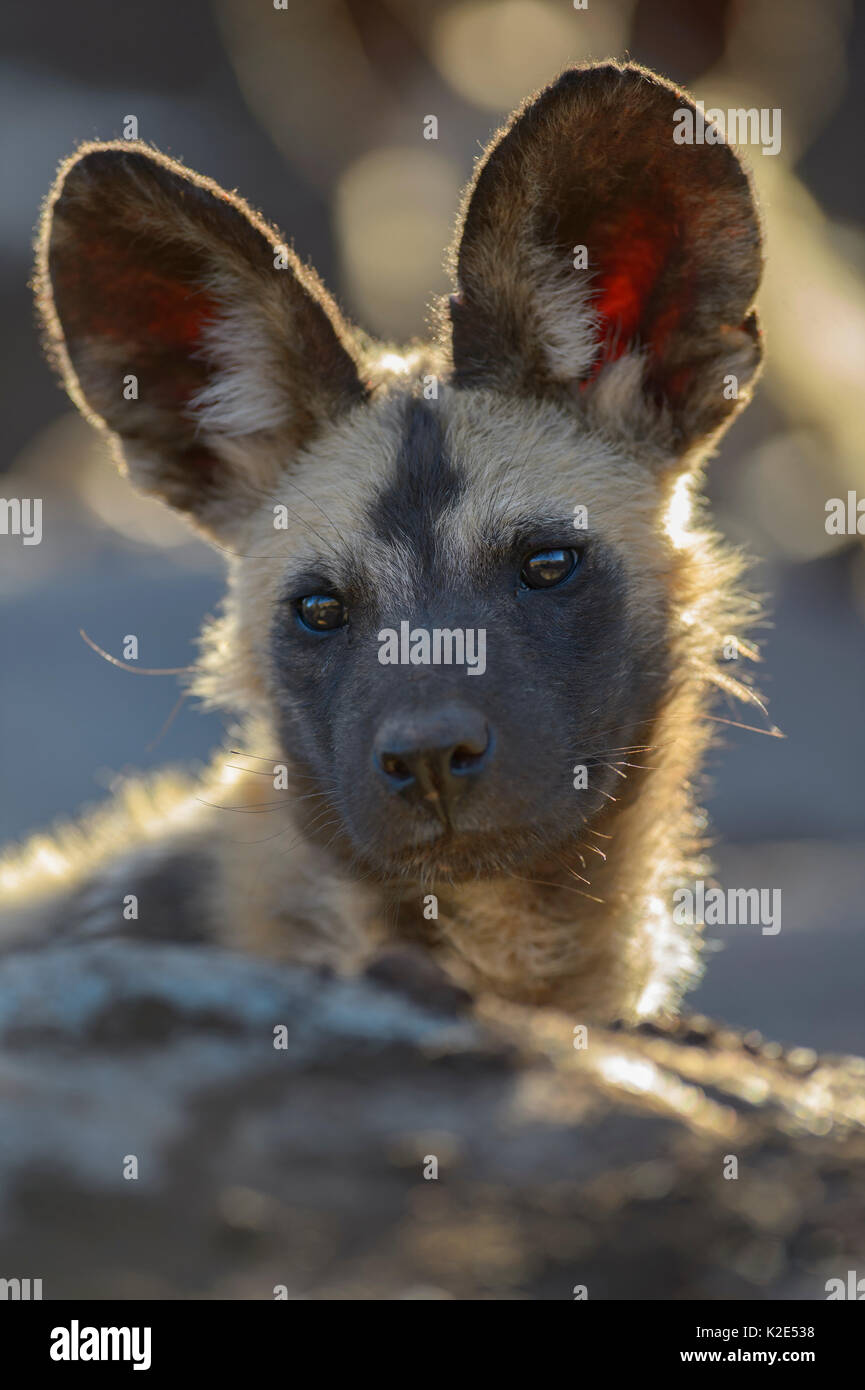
(301, 1166)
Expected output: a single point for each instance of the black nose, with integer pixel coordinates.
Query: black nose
(433, 755)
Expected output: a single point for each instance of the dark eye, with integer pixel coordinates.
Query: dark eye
(322, 612)
(546, 569)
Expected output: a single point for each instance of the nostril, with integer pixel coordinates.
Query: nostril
(464, 759)
(396, 769)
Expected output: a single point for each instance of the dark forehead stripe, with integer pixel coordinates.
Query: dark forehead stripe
(424, 483)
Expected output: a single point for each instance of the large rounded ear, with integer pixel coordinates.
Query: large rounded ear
(608, 222)
(182, 323)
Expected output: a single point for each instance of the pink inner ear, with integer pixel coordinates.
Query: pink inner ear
(149, 307)
(138, 304)
(637, 248)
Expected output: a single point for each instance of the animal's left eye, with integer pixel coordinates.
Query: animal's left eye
(322, 612)
(547, 569)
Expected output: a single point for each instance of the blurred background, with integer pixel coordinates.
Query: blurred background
(315, 113)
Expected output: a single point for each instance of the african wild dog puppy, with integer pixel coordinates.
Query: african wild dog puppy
(436, 488)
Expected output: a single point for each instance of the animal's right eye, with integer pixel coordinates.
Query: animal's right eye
(321, 612)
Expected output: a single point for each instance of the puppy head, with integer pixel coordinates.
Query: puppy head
(454, 584)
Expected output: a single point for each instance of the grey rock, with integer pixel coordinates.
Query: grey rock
(302, 1166)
